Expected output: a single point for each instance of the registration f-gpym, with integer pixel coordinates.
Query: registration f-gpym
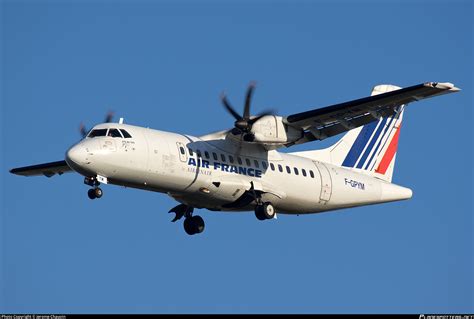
(241, 169)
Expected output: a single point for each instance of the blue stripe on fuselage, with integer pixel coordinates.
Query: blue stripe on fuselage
(359, 144)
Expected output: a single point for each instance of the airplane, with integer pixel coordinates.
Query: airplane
(241, 169)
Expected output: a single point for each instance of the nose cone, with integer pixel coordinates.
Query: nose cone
(76, 156)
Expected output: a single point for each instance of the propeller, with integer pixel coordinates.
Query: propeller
(108, 118)
(243, 123)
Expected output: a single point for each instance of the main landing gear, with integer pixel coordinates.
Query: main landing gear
(192, 224)
(265, 211)
(96, 191)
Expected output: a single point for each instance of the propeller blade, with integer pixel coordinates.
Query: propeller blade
(247, 100)
(230, 108)
(82, 130)
(109, 117)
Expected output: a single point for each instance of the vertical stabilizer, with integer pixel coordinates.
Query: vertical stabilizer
(373, 147)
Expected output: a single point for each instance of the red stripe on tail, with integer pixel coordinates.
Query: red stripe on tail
(389, 154)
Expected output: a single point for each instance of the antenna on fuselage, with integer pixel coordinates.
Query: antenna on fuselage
(121, 120)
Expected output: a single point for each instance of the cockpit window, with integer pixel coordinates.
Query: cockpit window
(113, 132)
(125, 133)
(98, 132)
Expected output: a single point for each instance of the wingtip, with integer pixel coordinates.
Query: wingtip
(445, 86)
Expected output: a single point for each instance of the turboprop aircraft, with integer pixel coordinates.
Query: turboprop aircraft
(241, 169)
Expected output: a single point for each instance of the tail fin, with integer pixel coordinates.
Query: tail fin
(371, 148)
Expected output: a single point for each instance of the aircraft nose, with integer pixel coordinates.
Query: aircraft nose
(76, 155)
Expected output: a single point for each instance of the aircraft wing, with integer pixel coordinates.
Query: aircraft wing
(47, 169)
(331, 120)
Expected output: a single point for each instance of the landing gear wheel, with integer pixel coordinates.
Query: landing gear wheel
(98, 192)
(198, 224)
(268, 210)
(259, 212)
(188, 226)
(91, 194)
(193, 225)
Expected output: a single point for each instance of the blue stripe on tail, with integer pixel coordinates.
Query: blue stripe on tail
(372, 142)
(359, 144)
(387, 129)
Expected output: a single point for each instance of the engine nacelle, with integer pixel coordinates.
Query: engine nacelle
(271, 130)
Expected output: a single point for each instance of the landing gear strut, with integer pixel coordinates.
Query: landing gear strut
(192, 224)
(96, 191)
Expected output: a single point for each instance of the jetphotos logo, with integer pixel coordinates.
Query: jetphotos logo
(446, 317)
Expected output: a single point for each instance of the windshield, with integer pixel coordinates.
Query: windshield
(99, 132)
(113, 132)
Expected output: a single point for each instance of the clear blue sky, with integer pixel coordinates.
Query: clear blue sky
(163, 65)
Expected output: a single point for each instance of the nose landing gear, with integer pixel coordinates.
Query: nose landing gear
(96, 191)
(192, 224)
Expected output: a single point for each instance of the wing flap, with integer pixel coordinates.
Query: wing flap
(46, 169)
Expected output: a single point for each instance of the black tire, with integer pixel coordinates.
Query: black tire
(91, 194)
(269, 210)
(198, 224)
(189, 226)
(259, 212)
(98, 192)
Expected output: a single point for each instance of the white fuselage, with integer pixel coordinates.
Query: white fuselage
(225, 172)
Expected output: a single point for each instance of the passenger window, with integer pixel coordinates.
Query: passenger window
(303, 171)
(181, 149)
(206, 153)
(311, 173)
(272, 166)
(190, 151)
(256, 163)
(113, 132)
(264, 165)
(296, 171)
(223, 157)
(247, 161)
(288, 170)
(231, 159)
(214, 155)
(239, 160)
(125, 133)
(198, 152)
(99, 132)
(280, 168)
